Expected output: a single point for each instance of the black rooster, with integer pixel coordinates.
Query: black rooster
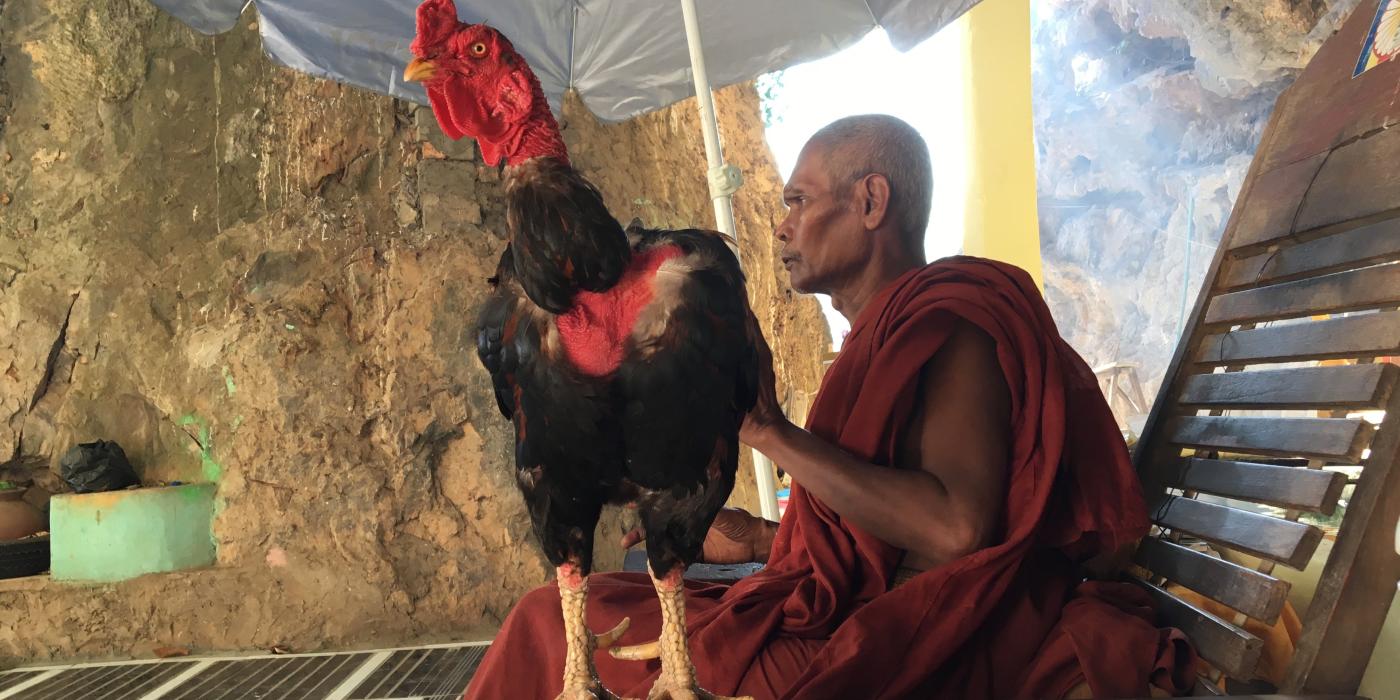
(625, 359)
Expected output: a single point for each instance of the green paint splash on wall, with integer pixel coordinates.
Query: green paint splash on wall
(210, 468)
(228, 382)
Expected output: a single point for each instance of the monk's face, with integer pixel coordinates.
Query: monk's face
(824, 243)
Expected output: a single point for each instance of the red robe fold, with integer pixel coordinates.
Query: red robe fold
(1011, 621)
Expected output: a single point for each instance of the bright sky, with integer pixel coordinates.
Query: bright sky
(922, 87)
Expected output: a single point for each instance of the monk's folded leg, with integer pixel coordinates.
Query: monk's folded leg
(527, 653)
(782, 660)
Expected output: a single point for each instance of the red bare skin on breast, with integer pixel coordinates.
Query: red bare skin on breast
(594, 332)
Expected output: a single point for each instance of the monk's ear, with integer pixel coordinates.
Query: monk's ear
(873, 198)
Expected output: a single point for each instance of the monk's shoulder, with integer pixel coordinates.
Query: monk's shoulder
(962, 387)
(968, 348)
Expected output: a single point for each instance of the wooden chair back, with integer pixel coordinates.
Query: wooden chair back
(1283, 379)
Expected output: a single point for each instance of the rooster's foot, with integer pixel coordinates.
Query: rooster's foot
(681, 689)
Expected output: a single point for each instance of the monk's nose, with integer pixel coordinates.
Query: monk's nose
(784, 231)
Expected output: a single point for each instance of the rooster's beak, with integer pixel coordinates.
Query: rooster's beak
(419, 70)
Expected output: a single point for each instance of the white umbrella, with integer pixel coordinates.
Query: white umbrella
(623, 57)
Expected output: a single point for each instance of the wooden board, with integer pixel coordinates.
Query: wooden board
(1284, 541)
(1258, 595)
(1323, 438)
(1367, 288)
(1347, 386)
(1326, 106)
(1358, 180)
(1296, 488)
(1268, 212)
(1230, 648)
(1367, 335)
(1367, 245)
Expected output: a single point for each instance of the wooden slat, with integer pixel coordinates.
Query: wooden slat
(1268, 212)
(1366, 288)
(1246, 590)
(1367, 335)
(1324, 438)
(1229, 648)
(1296, 488)
(1359, 179)
(1346, 386)
(1287, 542)
(1367, 245)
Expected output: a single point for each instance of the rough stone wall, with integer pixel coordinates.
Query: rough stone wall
(245, 274)
(1147, 114)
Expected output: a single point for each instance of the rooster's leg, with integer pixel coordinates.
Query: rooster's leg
(580, 677)
(677, 679)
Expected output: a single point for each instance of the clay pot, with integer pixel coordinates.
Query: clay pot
(17, 518)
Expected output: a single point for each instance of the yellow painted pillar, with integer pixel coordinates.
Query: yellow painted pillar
(1001, 218)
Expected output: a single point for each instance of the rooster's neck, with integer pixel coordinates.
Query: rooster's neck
(538, 138)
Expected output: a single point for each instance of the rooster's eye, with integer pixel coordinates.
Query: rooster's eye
(478, 49)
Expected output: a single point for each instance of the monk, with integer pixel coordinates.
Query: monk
(958, 471)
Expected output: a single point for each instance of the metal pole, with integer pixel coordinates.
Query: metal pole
(719, 173)
(724, 181)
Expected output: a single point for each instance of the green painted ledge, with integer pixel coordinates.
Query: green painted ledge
(117, 535)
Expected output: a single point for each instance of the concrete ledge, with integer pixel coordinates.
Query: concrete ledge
(117, 535)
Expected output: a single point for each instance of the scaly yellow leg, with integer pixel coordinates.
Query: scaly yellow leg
(677, 679)
(580, 677)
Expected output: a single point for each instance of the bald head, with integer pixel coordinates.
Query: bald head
(857, 146)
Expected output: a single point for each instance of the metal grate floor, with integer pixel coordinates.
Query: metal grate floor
(422, 673)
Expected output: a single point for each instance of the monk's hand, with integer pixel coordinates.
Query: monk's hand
(731, 539)
(735, 537)
(766, 414)
(633, 537)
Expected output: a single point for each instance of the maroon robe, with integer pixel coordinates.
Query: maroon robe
(1014, 620)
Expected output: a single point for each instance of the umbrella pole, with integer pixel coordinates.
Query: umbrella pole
(724, 181)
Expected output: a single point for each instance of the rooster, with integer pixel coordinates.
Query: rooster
(624, 358)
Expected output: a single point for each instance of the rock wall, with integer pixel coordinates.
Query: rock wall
(248, 275)
(1147, 114)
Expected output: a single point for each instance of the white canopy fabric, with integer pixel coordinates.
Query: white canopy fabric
(624, 57)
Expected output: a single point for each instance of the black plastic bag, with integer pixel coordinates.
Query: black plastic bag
(97, 466)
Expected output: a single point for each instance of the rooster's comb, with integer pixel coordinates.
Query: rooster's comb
(436, 21)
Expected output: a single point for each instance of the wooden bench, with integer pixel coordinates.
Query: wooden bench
(1297, 319)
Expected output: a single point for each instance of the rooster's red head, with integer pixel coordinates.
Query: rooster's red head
(480, 87)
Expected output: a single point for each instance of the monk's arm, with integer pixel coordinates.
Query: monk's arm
(945, 498)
